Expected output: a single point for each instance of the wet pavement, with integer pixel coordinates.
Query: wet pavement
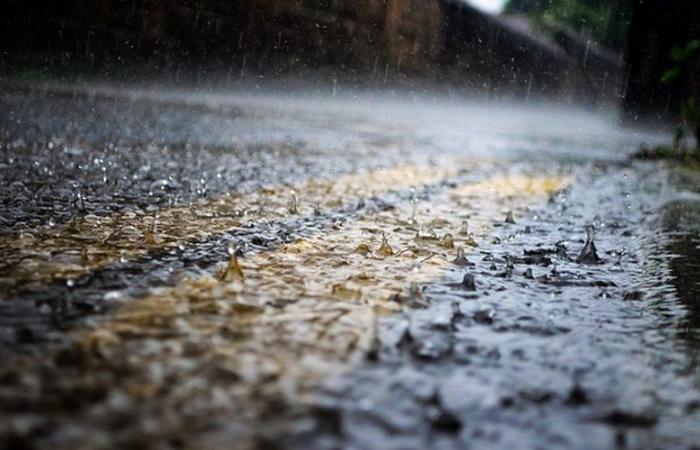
(239, 269)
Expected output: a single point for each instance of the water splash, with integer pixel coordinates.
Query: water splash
(363, 249)
(79, 201)
(293, 207)
(468, 282)
(149, 236)
(426, 233)
(233, 271)
(385, 249)
(414, 207)
(464, 229)
(461, 259)
(561, 250)
(589, 255)
(414, 290)
(448, 241)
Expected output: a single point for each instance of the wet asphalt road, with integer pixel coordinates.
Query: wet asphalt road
(546, 352)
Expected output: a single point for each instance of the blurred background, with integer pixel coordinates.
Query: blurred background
(638, 55)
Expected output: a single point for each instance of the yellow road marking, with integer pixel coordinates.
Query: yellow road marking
(70, 250)
(519, 185)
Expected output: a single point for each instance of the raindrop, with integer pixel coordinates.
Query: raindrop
(464, 229)
(385, 249)
(554, 273)
(79, 201)
(470, 241)
(468, 282)
(589, 255)
(233, 271)
(461, 259)
(293, 203)
(484, 316)
(561, 250)
(414, 290)
(414, 206)
(149, 236)
(362, 249)
(448, 241)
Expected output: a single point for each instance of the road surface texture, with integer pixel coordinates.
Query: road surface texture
(336, 270)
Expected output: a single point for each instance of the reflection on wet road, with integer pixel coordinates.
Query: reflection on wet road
(228, 270)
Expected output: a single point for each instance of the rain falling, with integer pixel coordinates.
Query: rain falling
(336, 224)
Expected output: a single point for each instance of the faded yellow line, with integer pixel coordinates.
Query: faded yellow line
(513, 186)
(266, 329)
(70, 250)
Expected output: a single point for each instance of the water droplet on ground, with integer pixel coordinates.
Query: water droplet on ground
(589, 254)
(461, 259)
(385, 249)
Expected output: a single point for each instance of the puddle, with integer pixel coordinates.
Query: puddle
(678, 248)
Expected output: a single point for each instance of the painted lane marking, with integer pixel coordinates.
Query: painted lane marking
(67, 251)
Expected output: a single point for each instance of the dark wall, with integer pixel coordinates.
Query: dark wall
(257, 33)
(104, 30)
(441, 41)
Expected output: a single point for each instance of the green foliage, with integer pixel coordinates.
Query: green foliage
(604, 20)
(671, 74)
(681, 55)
